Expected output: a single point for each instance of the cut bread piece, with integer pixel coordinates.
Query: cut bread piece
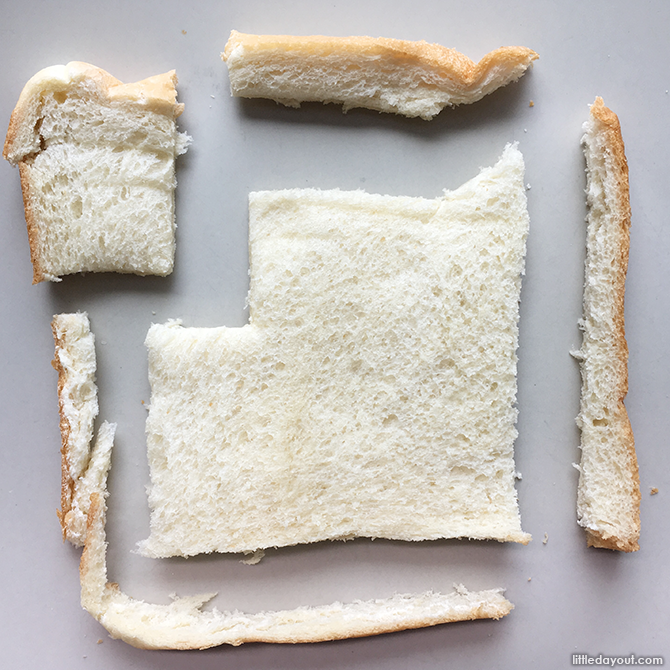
(372, 393)
(387, 75)
(82, 468)
(183, 625)
(608, 502)
(96, 159)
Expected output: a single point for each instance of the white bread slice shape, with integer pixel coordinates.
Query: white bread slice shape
(608, 499)
(83, 469)
(96, 159)
(415, 79)
(372, 393)
(182, 624)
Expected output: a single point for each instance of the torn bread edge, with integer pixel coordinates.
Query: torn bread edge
(83, 469)
(183, 624)
(449, 77)
(609, 511)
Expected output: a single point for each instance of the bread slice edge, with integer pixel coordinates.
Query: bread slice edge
(610, 515)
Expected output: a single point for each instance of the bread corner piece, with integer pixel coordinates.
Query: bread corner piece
(83, 468)
(373, 392)
(183, 625)
(608, 501)
(96, 159)
(415, 79)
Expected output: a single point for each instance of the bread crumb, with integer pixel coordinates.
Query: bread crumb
(654, 491)
(255, 557)
(99, 641)
(142, 401)
(527, 187)
(530, 578)
(531, 104)
(546, 538)
(183, 32)
(525, 130)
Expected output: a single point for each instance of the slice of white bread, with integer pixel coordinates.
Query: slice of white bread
(182, 624)
(372, 393)
(387, 75)
(608, 500)
(82, 468)
(96, 159)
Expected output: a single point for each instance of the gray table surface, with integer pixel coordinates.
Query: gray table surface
(567, 598)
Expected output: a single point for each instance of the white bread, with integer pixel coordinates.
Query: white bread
(83, 469)
(372, 393)
(387, 75)
(96, 159)
(182, 624)
(608, 501)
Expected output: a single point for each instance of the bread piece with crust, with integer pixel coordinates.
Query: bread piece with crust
(608, 502)
(96, 159)
(372, 393)
(387, 75)
(82, 468)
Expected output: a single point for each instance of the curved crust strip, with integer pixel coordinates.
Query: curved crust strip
(183, 625)
(609, 485)
(157, 94)
(440, 75)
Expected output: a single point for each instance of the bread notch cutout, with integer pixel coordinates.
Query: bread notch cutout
(608, 499)
(96, 159)
(183, 624)
(373, 391)
(387, 75)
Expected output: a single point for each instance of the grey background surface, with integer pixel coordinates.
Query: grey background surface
(568, 599)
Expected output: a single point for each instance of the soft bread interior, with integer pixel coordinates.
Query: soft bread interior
(372, 393)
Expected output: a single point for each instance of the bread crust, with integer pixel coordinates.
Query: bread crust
(67, 483)
(460, 76)
(157, 94)
(449, 62)
(616, 534)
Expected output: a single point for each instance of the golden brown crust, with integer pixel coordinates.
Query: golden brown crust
(610, 130)
(451, 62)
(67, 483)
(31, 224)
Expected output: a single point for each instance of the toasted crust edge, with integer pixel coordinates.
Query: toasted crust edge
(611, 131)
